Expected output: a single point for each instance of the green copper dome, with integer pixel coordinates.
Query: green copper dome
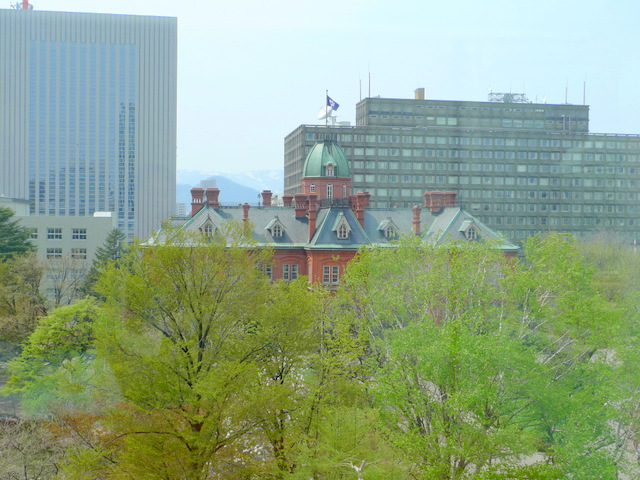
(323, 154)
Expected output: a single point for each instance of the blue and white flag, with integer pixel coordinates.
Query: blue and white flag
(332, 103)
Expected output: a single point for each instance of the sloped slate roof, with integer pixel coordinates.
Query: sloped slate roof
(443, 227)
(326, 237)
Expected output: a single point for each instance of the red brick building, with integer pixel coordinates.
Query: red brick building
(318, 231)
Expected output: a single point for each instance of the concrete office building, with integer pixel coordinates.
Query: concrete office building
(88, 115)
(519, 167)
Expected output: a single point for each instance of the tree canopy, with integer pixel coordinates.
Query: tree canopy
(14, 238)
(21, 304)
(110, 252)
(428, 362)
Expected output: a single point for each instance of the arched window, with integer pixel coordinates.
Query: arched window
(343, 233)
(330, 190)
(330, 170)
(472, 233)
(389, 232)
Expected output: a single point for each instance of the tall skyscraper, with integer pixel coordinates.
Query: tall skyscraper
(88, 115)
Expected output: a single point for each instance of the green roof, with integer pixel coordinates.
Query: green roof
(322, 154)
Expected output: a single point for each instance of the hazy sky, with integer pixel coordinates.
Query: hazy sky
(251, 71)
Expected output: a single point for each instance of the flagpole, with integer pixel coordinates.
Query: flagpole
(326, 117)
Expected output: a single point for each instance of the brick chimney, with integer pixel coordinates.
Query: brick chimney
(360, 214)
(416, 219)
(363, 199)
(313, 207)
(450, 199)
(212, 195)
(287, 199)
(245, 212)
(300, 204)
(435, 201)
(353, 202)
(197, 200)
(266, 198)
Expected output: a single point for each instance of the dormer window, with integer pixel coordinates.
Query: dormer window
(470, 230)
(389, 232)
(388, 228)
(330, 170)
(341, 227)
(208, 229)
(276, 228)
(472, 234)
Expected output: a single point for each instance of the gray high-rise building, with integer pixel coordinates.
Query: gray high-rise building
(519, 167)
(88, 115)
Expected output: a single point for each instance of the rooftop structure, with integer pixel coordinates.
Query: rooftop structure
(518, 167)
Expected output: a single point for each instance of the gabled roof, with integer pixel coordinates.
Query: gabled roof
(464, 226)
(448, 225)
(387, 222)
(326, 224)
(453, 222)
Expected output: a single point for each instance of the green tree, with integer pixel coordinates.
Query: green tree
(576, 334)
(111, 252)
(14, 239)
(182, 347)
(616, 266)
(55, 366)
(485, 362)
(21, 304)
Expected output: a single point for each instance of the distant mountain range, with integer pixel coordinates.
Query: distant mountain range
(234, 187)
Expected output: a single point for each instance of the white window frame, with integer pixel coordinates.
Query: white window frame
(54, 233)
(330, 190)
(268, 271)
(389, 232)
(289, 272)
(471, 233)
(79, 253)
(330, 170)
(330, 274)
(54, 253)
(78, 234)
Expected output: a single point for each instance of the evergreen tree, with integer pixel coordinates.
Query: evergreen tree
(111, 251)
(14, 239)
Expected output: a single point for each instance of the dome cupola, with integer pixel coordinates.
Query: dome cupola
(326, 159)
